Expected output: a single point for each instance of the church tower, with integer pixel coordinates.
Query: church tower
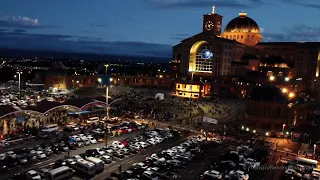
(212, 23)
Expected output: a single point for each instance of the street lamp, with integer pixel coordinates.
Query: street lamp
(107, 92)
(19, 76)
(271, 78)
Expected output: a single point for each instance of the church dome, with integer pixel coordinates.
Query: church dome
(242, 24)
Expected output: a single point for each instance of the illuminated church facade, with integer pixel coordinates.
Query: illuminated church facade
(215, 56)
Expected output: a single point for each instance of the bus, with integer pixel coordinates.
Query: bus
(50, 128)
(93, 120)
(85, 167)
(63, 172)
(308, 163)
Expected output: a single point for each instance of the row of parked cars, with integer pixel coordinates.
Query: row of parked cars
(164, 165)
(234, 165)
(86, 165)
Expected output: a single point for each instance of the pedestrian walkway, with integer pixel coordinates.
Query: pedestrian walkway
(304, 149)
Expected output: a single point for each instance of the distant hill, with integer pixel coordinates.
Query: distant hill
(18, 53)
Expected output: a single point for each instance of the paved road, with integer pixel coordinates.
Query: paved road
(53, 158)
(19, 143)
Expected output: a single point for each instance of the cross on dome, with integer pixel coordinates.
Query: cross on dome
(213, 7)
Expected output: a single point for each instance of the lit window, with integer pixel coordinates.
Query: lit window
(280, 74)
(269, 73)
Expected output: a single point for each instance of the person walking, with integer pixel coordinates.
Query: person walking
(120, 168)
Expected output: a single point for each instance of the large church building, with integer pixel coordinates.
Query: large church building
(214, 56)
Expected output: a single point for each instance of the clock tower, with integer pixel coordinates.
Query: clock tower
(212, 23)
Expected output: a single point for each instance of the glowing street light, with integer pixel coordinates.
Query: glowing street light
(242, 127)
(254, 131)
(272, 78)
(111, 79)
(107, 92)
(267, 134)
(287, 79)
(247, 129)
(284, 90)
(99, 80)
(291, 95)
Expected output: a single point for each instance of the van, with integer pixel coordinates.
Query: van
(98, 163)
(85, 166)
(50, 128)
(63, 172)
(93, 120)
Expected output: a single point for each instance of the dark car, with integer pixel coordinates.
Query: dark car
(10, 161)
(48, 151)
(63, 147)
(92, 152)
(73, 145)
(124, 175)
(56, 149)
(22, 159)
(59, 163)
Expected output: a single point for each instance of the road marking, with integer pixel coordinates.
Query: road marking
(191, 172)
(287, 152)
(112, 169)
(43, 162)
(129, 162)
(50, 164)
(202, 164)
(158, 149)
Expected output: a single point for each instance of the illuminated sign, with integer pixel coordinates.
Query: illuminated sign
(206, 54)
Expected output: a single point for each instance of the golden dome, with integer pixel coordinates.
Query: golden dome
(242, 24)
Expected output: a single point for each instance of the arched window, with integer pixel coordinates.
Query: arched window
(241, 36)
(269, 73)
(252, 37)
(238, 37)
(280, 74)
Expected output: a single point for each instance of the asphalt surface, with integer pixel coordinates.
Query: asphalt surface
(50, 160)
(20, 143)
(128, 160)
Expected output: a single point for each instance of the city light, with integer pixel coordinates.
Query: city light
(247, 129)
(111, 79)
(287, 133)
(284, 90)
(272, 78)
(286, 79)
(99, 80)
(267, 134)
(291, 95)
(254, 131)
(242, 127)
(160, 76)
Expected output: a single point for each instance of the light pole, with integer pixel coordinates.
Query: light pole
(107, 92)
(19, 79)
(191, 87)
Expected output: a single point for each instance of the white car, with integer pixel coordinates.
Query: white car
(100, 151)
(152, 141)
(98, 131)
(213, 174)
(158, 139)
(180, 149)
(253, 163)
(32, 174)
(40, 154)
(142, 144)
(141, 164)
(156, 157)
(77, 157)
(170, 152)
(106, 158)
(11, 153)
(196, 138)
(92, 140)
(117, 144)
(239, 173)
(292, 172)
(153, 169)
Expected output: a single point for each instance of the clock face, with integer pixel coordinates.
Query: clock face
(218, 26)
(209, 25)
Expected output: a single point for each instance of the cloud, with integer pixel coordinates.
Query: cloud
(298, 32)
(100, 25)
(247, 4)
(310, 3)
(21, 22)
(23, 40)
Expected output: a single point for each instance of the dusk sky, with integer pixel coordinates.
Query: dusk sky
(143, 27)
